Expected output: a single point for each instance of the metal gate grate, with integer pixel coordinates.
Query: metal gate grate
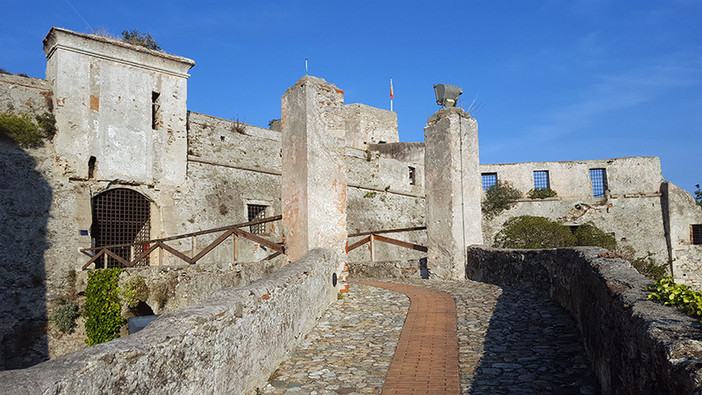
(122, 216)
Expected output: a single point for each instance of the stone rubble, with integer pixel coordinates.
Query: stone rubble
(509, 342)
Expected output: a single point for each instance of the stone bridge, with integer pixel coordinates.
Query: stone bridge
(560, 321)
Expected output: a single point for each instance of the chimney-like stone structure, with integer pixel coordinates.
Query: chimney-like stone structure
(314, 171)
(453, 191)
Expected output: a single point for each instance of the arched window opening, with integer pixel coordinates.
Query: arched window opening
(122, 217)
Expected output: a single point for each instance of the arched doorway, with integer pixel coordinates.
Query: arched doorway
(122, 216)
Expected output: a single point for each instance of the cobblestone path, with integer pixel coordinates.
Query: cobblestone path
(508, 343)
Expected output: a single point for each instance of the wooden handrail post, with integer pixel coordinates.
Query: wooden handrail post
(372, 249)
(193, 244)
(104, 262)
(161, 253)
(131, 252)
(235, 247)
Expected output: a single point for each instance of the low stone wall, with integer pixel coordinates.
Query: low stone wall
(636, 346)
(386, 269)
(229, 344)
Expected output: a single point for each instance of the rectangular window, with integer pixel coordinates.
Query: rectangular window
(412, 175)
(696, 234)
(256, 211)
(541, 180)
(489, 179)
(155, 110)
(599, 182)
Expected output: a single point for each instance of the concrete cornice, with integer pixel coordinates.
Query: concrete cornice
(114, 50)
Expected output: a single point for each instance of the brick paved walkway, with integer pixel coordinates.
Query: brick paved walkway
(426, 358)
(508, 343)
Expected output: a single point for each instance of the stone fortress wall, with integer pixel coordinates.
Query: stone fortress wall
(125, 107)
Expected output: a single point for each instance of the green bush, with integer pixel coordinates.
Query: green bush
(134, 291)
(26, 130)
(102, 307)
(533, 232)
(65, 317)
(681, 296)
(698, 195)
(590, 235)
(539, 232)
(541, 193)
(498, 198)
(649, 267)
(135, 37)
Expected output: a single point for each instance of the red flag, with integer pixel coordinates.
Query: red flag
(392, 96)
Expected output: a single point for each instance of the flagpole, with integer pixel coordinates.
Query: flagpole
(391, 94)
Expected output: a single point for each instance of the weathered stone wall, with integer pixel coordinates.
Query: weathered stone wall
(25, 204)
(229, 344)
(369, 125)
(381, 196)
(682, 212)
(636, 346)
(632, 209)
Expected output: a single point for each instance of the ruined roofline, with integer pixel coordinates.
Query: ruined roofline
(572, 161)
(104, 48)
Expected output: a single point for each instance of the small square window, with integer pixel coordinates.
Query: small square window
(256, 211)
(599, 182)
(489, 180)
(412, 175)
(696, 234)
(541, 180)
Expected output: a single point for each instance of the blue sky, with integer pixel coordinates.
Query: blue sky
(553, 79)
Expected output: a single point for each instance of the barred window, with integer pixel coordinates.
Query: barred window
(489, 179)
(541, 180)
(256, 211)
(696, 234)
(599, 182)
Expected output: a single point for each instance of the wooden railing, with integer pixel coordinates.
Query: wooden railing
(148, 247)
(373, 236)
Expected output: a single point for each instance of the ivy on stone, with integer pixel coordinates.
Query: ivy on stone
(102, 306)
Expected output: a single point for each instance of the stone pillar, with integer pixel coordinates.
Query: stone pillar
(314, 170)
(453, 191)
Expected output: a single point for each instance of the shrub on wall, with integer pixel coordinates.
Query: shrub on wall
(528, 231)
(499, 197)
(27, 130)
(590, 235)
(698, 195)
(539, 232)
(134, 291)
(135, 37)
(64, 317)
(102, 307)
(541, 193)
(681, 296)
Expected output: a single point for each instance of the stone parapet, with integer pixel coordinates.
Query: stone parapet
(636, 346)
(229, 344)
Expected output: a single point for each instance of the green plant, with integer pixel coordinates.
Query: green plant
(134, 291)
(541, 193)
(533, 232)
(590, 235)
(65, 317)
(340, 296)
(698, 195)
(649, 267)
(238, 126)
(102, 308)
(135, 37)
(370, 195)
(25, 130)
(681, 296)
(498, 198)
(271, 122)
(20, 128)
